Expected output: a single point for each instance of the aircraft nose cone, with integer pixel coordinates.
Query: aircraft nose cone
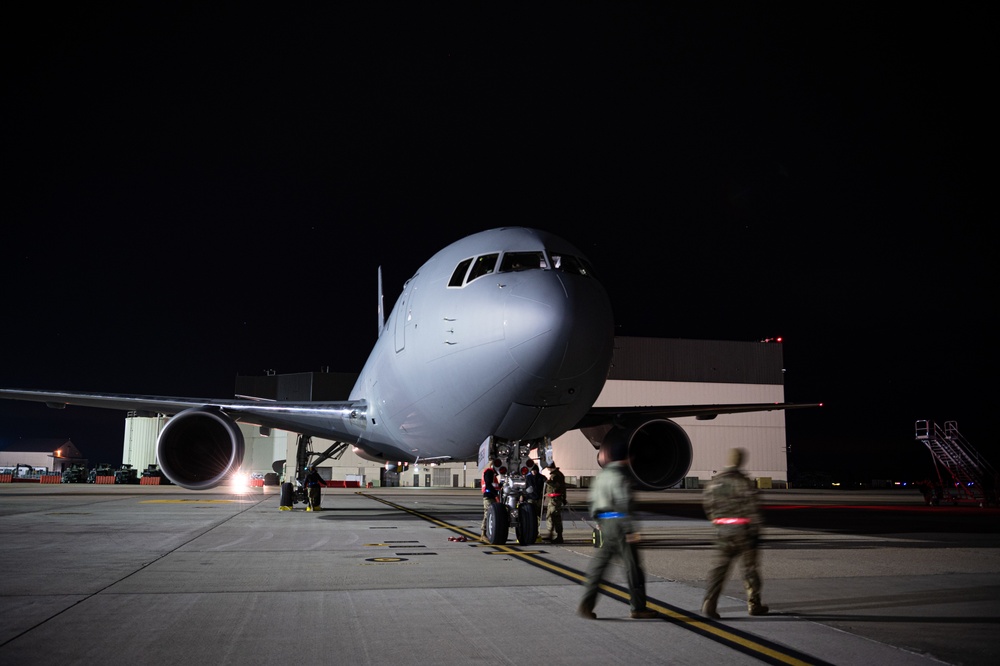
(559, 327)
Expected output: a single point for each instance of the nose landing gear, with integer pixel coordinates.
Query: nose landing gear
(513, 509)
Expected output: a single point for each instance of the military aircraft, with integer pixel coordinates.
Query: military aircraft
(500, 342)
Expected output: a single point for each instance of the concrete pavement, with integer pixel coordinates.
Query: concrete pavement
(127, 574)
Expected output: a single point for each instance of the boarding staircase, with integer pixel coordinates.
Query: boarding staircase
(963, 474)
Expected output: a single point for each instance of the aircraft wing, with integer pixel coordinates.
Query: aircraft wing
(598, 416)
(329, 420)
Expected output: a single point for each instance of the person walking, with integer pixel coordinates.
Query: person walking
(555, 500)
(730, 502)
(610, 501)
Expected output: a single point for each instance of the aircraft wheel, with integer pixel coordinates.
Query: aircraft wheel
(527, 525)
(287, 494)
(497, 524)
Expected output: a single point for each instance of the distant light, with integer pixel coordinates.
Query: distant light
(778, 339)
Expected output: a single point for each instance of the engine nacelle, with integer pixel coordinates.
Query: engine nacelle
(659, 452)
(200, 448)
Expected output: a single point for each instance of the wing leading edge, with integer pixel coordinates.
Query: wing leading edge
(598, 416)
(339, 421)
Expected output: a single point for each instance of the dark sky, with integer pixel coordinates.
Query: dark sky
(192, 194)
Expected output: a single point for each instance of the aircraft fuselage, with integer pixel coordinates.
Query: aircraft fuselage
(506, 333)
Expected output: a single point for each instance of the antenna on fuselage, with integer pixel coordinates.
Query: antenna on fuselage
(381, 309)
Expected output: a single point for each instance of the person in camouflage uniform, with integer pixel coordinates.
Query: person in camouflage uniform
(313, 483)
(610, 504)
(730, 502)
(491, 491)
(555, 500)
(535, 484)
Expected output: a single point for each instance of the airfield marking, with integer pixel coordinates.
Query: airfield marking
(739, 640)
(190, 501)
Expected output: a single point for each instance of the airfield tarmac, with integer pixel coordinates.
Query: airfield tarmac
(146, 574)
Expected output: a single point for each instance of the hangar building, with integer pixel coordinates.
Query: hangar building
(645, 371)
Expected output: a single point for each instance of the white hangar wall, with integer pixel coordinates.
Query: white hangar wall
(762, 434)
(645, 371)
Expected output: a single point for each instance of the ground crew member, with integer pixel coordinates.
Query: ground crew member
(555, 500)
(610, 504)
(491, 491)
(730, 502)
(313, 483)
(534, 486)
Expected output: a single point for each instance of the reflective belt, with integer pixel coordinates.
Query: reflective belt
(604, 515)
(731, 521)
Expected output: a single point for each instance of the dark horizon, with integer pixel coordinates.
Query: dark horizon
(196, 195)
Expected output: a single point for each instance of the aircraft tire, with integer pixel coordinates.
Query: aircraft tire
(527, 525)
(286, 494)
(497, 524)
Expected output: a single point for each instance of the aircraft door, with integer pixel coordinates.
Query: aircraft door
(404, 315)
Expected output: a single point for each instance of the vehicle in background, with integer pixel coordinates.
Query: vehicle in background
(103, 469)
(76, 473)
(125, 474)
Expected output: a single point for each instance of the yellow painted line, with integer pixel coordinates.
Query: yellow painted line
(189, 501)
(693, 621)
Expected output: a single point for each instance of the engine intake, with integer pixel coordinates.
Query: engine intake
(199, 448)
(659, 452)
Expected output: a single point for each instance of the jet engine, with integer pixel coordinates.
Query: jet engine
(199, 448)
(659, 451)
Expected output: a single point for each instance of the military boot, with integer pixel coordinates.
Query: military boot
(708, 610)
(754, 607)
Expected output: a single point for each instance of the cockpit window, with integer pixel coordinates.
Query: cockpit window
(521, 261)
(570, 264)
(459, 275)
(483, 265)
(476, 267)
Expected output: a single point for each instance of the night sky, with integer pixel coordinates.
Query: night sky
(199, 193)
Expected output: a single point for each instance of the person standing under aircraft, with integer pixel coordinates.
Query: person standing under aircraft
(610, 504)
(491, 491)
(313, 483)
(730, 501)
(555, 500)
(535, 487)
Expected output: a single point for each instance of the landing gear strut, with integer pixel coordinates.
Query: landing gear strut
(513, 509)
